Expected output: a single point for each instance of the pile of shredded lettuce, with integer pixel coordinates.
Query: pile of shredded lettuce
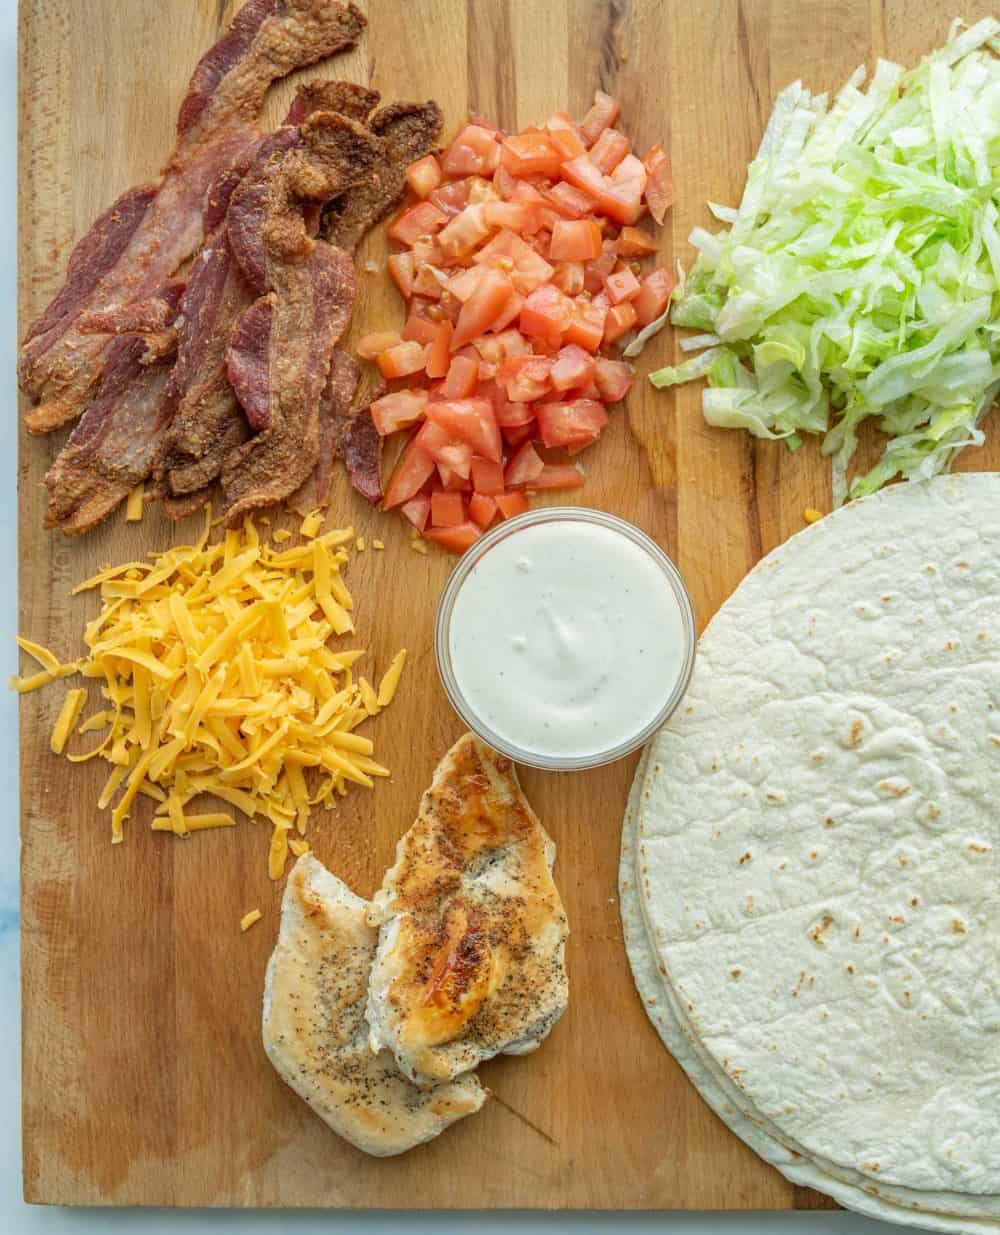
(860, 275)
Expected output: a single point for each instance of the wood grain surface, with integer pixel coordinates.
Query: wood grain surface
(144, 1078)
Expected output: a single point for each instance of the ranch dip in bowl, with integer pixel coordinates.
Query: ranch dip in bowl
(565, 638)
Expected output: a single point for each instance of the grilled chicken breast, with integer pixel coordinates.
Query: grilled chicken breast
(314, 1028)
(472, 932)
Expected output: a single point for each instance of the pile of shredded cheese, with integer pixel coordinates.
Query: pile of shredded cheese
(217, 677)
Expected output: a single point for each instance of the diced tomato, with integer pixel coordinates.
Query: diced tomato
(472, 421)
(487, 476)
(660, 187)
(609, 150)
(511, 504)
(443, 446)
(621, 285)
(484, 308)
(378, 341)
(419, 329)
(620, 320)
(424, 175)
(530, 191)
(523, 217)
(401, 270)
(482, 191)
(415, 466)
(513, 415)
(573, 367)
(447, 509)
(421, 219)
(427, 282)
(463, 282)
(568, 277)
(498, 347)
(439, 351)
(531, 153)
(451, 197)
(484, 122)
(576, 240)
(462, 378)
(510, 313)
(398, 410)
(571, 424)
(451, 481)
(464, 232)
(596, 271)
(586, 324)
(628, 180)
(524, 467)
(474, 152)
(417, 510)
(634, 242)
(614, 378)
(565, 135)
(557, 476)
(454, 539)
(518, 436)
(427, 251)
(482, 510)
(526, 378)
(570, 202)
(401, 360)
(545, 315)
(505, 183)
(525, 268)
(602, 114)
(653, 296)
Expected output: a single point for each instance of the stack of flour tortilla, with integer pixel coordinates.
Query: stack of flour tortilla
(810, 886)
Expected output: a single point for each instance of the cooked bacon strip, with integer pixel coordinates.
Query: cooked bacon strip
(311, 306)
(294, 167)
(335, 411)
(209, 423)
(148, 233)
(351, 100)
(310, 288)
(407, 131)
(140, 317)
(95, 254)
(362, 452)
(247, 362)
(116, 442)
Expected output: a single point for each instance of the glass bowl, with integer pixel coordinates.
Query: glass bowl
(475, 554)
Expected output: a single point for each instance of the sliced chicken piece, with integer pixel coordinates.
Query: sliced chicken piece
(470, 960)
(315, 1032)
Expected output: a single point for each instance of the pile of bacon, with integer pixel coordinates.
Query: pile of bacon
(227, 377)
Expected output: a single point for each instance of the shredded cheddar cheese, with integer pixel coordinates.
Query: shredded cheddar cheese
(220, 676)
(68, 716)
(311, 524)
(811, 515)
(133, 507)
(390, 681)
(249, 919)
(377, 544)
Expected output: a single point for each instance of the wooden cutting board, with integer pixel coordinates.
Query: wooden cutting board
(144, 1078)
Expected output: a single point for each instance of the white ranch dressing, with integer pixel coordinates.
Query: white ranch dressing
(566, 639)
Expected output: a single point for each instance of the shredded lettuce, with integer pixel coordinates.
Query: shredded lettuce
(860, 275)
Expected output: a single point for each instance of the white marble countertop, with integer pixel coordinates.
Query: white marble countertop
(20, 1219)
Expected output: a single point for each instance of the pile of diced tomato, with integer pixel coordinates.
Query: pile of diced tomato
(519, 264)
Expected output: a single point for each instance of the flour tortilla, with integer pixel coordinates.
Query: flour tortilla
(659, 1006)
(820, 745)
